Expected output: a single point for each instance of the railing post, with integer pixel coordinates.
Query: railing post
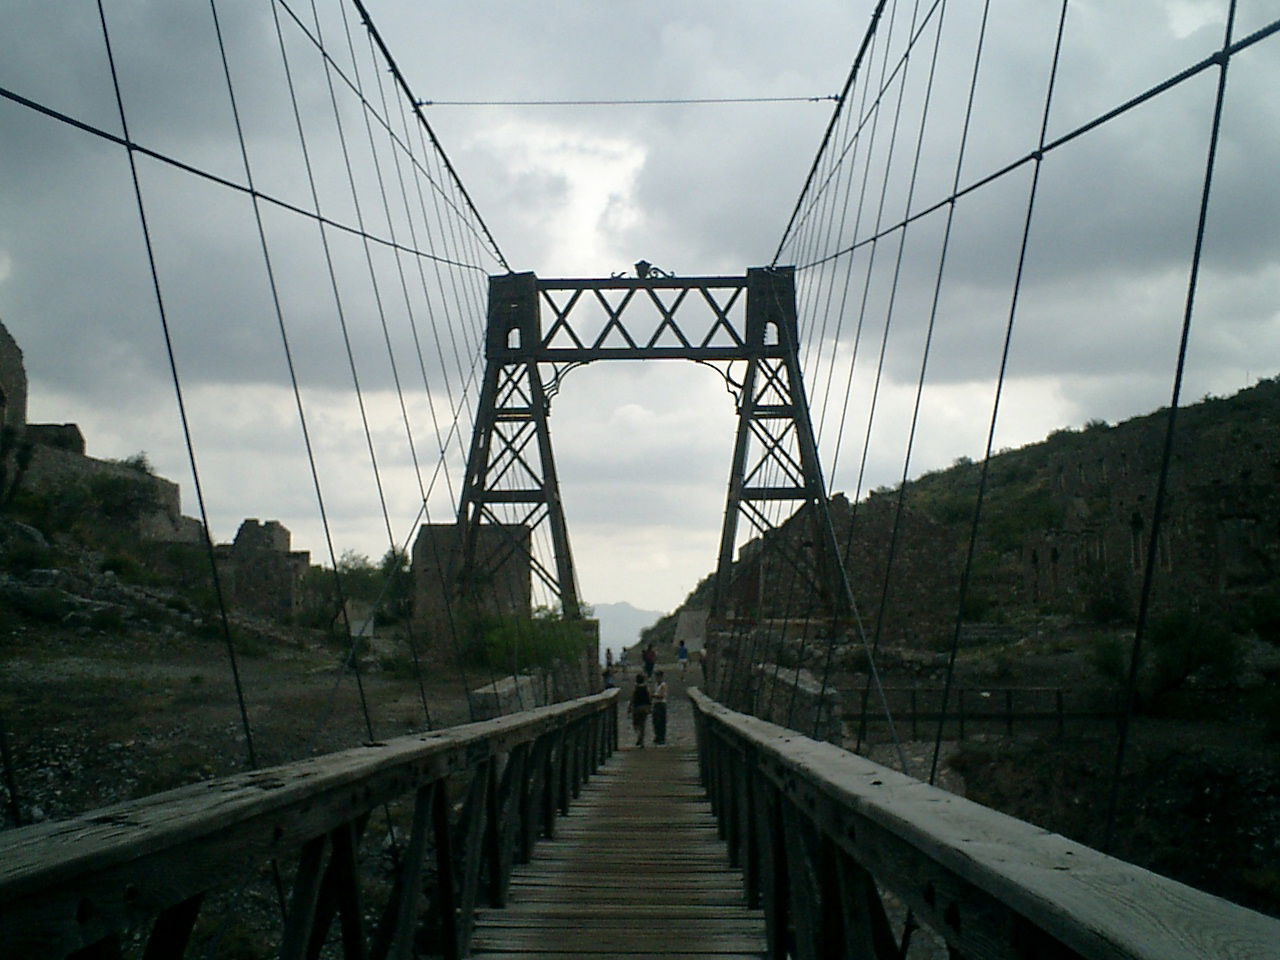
(575, 765)
(564, 771)
(471, 849)
(305, 897)
(725, 790)
(711, 762)
(773, 872)
(446, 875)
(531, 791)
(733, 807)
(171, 932)
(865, 930)
(550, 799)
(394, 939)
(749, 843)
(593, 744)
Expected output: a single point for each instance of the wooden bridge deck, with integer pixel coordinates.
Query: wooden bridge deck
(635, 869)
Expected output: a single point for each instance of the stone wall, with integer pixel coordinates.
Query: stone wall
(537, 688)
(54, 471)
(64, 436)
(13, 383)
(511, 694)
(691, 627)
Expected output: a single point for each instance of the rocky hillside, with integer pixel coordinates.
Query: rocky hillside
(1064, 529)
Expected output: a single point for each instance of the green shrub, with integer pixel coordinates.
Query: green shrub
(1110, 657)
(20, 556)
(108, 619)
(1183, 642)
(1177, 645)
(398, 665)
(122, 498)
(121, 564)
(47, 604)
(1108, 598)
(138, 461)
(512, 644)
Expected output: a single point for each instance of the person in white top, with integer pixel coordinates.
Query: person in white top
(659, 695)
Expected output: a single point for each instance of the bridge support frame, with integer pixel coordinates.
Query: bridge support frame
(511, 465)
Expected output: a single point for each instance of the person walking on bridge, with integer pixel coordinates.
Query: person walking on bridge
(659, 696)
(682, 657)
(638, 708)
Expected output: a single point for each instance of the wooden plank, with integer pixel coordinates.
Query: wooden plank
(635, 870)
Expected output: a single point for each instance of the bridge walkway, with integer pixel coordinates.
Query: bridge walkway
(635, 870)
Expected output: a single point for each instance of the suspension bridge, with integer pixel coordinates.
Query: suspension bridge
(358, 265)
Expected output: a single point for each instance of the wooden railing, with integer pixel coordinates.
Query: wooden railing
(481, 794)
(820, 832)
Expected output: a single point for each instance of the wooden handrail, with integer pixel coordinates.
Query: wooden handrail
(818, 830)
(70, 884)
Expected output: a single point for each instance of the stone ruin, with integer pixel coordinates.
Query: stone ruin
(261, 572)
(59, 462)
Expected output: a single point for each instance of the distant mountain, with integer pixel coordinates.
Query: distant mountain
(621, 623)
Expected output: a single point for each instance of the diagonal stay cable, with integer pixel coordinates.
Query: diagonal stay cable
(826, 137)
(314, 39)
(424, 125)
(919, 25)
(339, 594)
(1206, 63)
(137, 148)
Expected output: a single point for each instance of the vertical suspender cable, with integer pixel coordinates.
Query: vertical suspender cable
(1166, 456)
(971, 550)
(177, 387)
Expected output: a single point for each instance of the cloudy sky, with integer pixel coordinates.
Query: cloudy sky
(643, 451)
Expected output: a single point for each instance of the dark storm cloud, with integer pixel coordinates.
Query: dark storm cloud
(590, 190)
(1104, 289)
(71, 235)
